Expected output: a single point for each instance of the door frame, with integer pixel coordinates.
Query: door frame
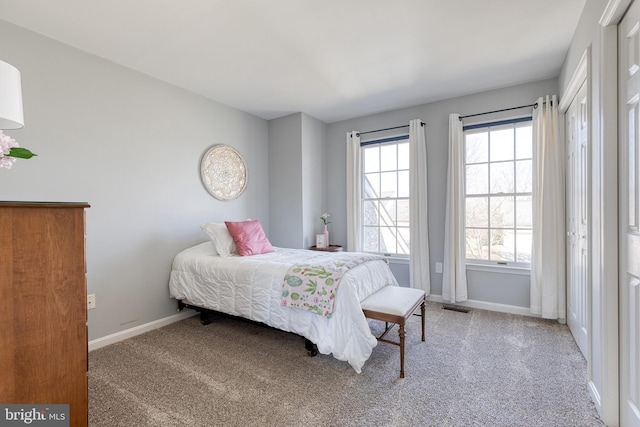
(608, 111)
(580, 78)
(582, 75)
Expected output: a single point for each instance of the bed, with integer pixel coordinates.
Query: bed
(251, 287)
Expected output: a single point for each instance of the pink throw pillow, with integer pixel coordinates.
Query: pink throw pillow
(249, 237)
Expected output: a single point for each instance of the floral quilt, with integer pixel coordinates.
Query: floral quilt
(313, 286)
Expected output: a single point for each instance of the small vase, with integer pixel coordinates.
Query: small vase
(326, 236)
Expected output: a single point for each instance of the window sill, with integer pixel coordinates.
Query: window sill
(397, 259)
(394, 258)
(502, 269)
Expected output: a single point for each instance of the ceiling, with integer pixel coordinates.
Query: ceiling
(331, 59)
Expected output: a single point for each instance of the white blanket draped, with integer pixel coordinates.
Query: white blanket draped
(251, 287)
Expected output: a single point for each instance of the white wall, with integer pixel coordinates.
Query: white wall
(131, 147)
(506, 289)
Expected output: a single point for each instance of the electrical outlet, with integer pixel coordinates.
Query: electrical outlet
(438, 267)
(91, 301)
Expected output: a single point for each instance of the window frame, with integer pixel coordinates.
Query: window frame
(493, 264)
(381, 142)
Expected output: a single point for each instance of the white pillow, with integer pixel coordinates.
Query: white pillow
(221, 238)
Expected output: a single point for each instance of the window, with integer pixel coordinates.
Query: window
(385, 196)
(498, 192)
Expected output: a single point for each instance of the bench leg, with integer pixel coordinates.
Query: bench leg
(401, 333)
(422, 312)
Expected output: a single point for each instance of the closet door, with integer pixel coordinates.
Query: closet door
(577, 140)
(629, 149)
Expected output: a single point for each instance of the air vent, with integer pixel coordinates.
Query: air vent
(455, 308)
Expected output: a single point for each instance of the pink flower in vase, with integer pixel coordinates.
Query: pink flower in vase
(10, 151)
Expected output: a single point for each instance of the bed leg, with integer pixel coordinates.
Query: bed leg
(204, 318)
(181, 305)
(311, 348)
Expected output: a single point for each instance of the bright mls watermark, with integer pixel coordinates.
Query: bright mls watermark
(36, 415)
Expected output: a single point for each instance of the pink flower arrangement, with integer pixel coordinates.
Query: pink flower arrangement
(10, 151)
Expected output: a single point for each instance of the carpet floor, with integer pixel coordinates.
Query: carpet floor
(475, 369)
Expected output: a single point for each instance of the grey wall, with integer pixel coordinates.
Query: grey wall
(131, 147)
(297, 178)
(285, 178)
(314, 189)
(501, 288)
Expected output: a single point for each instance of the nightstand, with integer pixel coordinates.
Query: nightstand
(331, 248)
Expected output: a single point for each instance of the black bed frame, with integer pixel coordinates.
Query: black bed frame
(205, 319)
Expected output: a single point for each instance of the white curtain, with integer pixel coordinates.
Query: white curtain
(454, 274)
(418, 214)
(548, 253)
(354, 190)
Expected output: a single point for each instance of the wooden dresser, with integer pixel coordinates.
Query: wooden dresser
(43, 318)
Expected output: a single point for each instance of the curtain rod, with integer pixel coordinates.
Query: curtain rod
(505, 109)
(380, 130)
(499, 111)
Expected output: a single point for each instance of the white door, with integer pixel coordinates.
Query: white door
(629, 149)
(577, 140)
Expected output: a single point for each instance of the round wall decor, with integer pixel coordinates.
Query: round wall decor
(223, 172)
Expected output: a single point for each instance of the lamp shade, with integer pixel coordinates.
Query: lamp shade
(10, 97)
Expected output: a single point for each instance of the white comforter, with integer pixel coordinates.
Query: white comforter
(251, 287)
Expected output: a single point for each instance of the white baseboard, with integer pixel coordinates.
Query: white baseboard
(138, 330)
(484, 305)
(595, 396)
(141, 329)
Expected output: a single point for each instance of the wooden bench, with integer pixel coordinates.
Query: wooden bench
(394, 305)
